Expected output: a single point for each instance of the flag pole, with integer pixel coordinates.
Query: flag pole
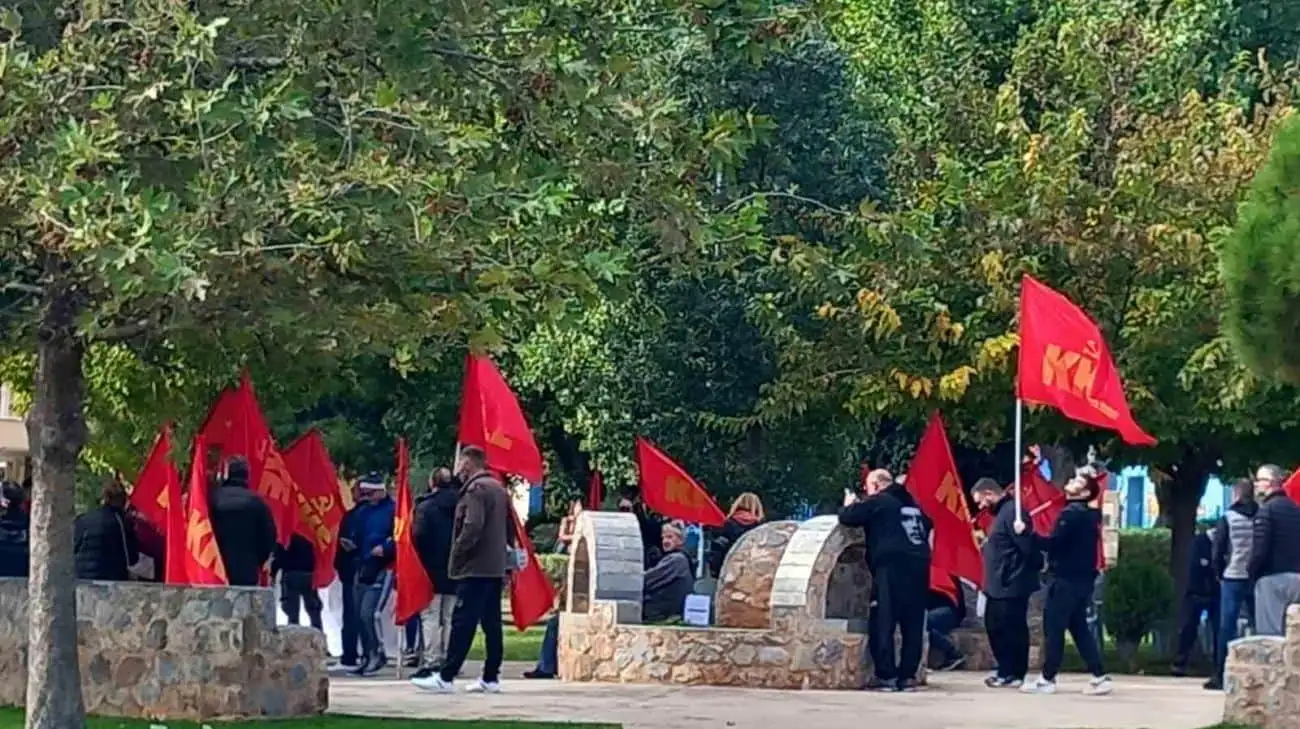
(699, 565)
(1020, 410)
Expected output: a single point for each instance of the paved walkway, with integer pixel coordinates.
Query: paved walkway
(955, 701)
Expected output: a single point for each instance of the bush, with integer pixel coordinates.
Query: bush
(557, 569)
(1139, 595)
(1145, 545)
(544, 537)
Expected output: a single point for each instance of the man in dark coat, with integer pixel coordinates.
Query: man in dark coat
(345, 563)
(431, 530)
(296, 567)
(1201, 599)
(243, 525)
(15, 545)
(105, 545)
(1274, 552)
(897, 536)
(1012, 562)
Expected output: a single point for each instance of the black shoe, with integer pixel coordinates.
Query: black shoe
(411, 662)
(1178, 671)
(1214, 684)
(881, 685)
(372, 666)
(1002, 682)
(423, 673)
(908, 685)
(537, 674)
(952, 664)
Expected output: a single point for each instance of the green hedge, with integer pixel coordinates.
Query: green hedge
(557, 568)
(1146, 545)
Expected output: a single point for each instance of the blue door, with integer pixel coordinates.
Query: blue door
(1135, 500)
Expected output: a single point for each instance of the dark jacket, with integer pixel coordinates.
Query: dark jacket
(483, 532)
(15, 548)
(104, 545)
(736, 526)
(1202, 578)
(431, 531)
(1072, 546)
(299, 557)
(665, 588)
(897, 531)
(245, 531)
(1234, 536)
(1011, 561)
(1275, 548)
(374, 528)
(345, 560)
(152, 545)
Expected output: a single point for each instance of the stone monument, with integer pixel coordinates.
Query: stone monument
(1262, 679)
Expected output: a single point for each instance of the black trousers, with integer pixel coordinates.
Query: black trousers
(478, 604)
(1007, 623)
(1189, 624)
(351, 628)
(297, 592)
(898, 599)
(1066, 609)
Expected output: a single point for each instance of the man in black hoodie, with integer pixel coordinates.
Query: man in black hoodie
(104, 540)
(345, 563)
(243, 525)
(1072, 559)
(296, 567)
(1011, 567)
(431, 531)
(1275, 552)
(897, 537)
(15, 544)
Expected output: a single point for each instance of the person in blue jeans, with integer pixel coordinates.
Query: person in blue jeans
(375, 553)
(944, 614)
(548, 663)
(1231, 552)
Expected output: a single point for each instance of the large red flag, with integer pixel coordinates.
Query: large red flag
(941, 582)
(669, 490)
(202, 557)
(236, 427)
(531, 593)
(932, 480)
(490, 418)
(1292, 486)
(596, 491)
(1040, 498)
(175, 561)
(1065, 363)
(150, 494)
(320, 510)
(414, 590)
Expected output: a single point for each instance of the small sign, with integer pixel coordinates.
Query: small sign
(696, 610)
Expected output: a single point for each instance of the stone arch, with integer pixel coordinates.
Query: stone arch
(743, 597)
(607, 561)
(822, 576)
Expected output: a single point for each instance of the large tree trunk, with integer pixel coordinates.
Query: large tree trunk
(1179, 499)
(57, 433)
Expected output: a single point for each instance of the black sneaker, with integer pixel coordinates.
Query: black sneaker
(952, 664)
(881, 685)
(1002, 682)
(411, 662)
(539, 675)
(1178, 671)
(1214, 684)
(423, 673)
(908, 686)
(372, 666)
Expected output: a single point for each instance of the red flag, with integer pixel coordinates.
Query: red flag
(984, 521)
(320, 510)
(414, 590)
(1292, 486)
(669, 490)
(490, 418)
(941, 582)
(596, 491)
(150, 494)
(236, 427)
(531, 593)
(1065, 363)
(932, 480)
(1040, 498)
(201, 556)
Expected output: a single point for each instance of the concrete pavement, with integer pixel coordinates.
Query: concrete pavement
(954, 701)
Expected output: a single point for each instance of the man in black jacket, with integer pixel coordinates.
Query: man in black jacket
(345, 563)
(1275, 552)
(15, 543)
(897, 536)
(1201, 600)
(243, 525)
(104, 541)
(296, 567)
(1011, 566)
(1072, 558)
(431, 530)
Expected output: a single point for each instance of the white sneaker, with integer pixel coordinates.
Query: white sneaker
(1099, 686)
(434, 683)
(1039, 686)
(483, 687)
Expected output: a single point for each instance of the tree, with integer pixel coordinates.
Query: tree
(290, 186)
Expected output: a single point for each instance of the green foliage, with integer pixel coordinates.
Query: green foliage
(557, 569)
(1145, 545)
(1259, 272)
(1139, 597)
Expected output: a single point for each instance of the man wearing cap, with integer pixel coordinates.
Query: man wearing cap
(373, 537)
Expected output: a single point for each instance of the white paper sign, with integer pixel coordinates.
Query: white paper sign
(696, 610)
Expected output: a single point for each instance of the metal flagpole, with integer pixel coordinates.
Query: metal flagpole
(699, 567)
(1020, 414)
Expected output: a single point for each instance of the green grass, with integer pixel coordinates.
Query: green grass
(13, 719)
(525, 646)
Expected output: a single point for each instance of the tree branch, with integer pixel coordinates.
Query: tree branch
(790, 196)
(22, 288)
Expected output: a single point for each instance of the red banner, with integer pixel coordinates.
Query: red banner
(320, 510)
(531, 593)
(932, 480)
(669, 490)
(1292, 486)
(414, 590)
(1040, 498)
(150, 494)
(236, 427)
(1066, 364)
(490, 418)
(596, 491)
(941, 582)
(201, 557)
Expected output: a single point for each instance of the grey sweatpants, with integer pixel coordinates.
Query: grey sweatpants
(1272, 596)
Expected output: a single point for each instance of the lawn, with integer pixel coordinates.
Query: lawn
(13, 719)
(525, 646)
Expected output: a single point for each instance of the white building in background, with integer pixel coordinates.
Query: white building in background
(13, 439)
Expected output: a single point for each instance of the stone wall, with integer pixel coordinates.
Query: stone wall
(743, 596)
(163, 652)
(1262, 679)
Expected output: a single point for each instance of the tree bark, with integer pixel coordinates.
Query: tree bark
(1180, 499)
(57, 432)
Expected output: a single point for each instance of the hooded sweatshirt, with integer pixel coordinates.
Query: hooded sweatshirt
(896, 529)
(737, 525)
